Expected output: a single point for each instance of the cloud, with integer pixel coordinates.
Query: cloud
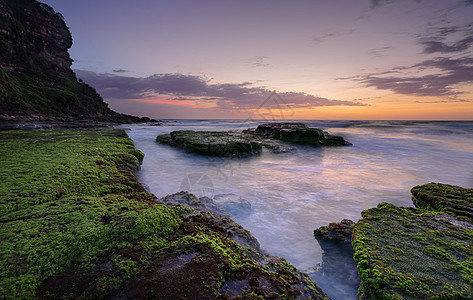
(180, 87)
(120, 71)
(259, 62)
(443, 74)
(378, 3)
(329, 35)
(435, 43)
(380, 52)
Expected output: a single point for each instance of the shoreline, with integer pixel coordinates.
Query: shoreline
(93, 231)
(108, 237)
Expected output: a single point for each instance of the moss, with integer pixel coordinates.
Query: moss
(454, 200)
(406, 253)
(75, 222)
(60, 208)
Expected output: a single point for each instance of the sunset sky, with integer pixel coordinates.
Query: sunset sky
(350, 60)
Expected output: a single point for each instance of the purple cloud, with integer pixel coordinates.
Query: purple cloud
(179, 87)
(449, 72)
(436, 42)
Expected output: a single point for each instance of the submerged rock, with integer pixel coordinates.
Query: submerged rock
(405, 253)
(234, 205)
(299, 133)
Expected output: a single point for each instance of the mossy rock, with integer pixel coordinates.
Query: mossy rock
(454, 200)
(335, 232)
(76, 223)
(212, 143)
(409, 253)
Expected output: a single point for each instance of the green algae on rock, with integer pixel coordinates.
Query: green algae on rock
(407, 253)
(449, 199)
(75, 223)
(212, 143)
(251, 141)
(336, 232)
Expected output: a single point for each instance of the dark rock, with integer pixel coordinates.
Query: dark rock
(336, 232)
(37, 83)
(299, 133)
(175, 273)
(251, 141)
(198, 204)
(212, 143)
(337, 274)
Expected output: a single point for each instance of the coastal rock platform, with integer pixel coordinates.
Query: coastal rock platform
(424, 252)
(273, 136)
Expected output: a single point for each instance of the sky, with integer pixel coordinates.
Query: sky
(274, 59)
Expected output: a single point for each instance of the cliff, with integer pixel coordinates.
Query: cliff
(35, 73)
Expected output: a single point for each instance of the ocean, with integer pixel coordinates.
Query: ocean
(282, 197)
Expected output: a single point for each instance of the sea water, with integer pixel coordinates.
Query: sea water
(290, 194)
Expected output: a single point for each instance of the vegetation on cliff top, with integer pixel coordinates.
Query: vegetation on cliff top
(75, 222)
(35, 74)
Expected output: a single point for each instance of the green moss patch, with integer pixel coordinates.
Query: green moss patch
(407, 253)
(454, 200)
(75, 223)
(66, 197)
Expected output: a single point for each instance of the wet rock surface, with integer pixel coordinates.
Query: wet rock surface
(273, 137)
(212, 143)
(337, 274)
(261, 275)
(405, 252)
(453, 200)
(336, 232)
(299, 133)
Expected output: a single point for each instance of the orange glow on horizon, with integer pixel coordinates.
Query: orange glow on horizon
(167, 100)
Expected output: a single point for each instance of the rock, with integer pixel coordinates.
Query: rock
(337, 274)
(234, 205)
(198, 204)
(299, 133)
(454, 200)
(212, 143)
(336, 232)
(406, 253)
(267, 276)
(37, 83)
(251, 141)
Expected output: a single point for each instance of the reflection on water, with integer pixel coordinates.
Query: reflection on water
(293, 193)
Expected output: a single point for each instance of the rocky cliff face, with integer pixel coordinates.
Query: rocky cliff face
(35, 73)
(31, 33)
